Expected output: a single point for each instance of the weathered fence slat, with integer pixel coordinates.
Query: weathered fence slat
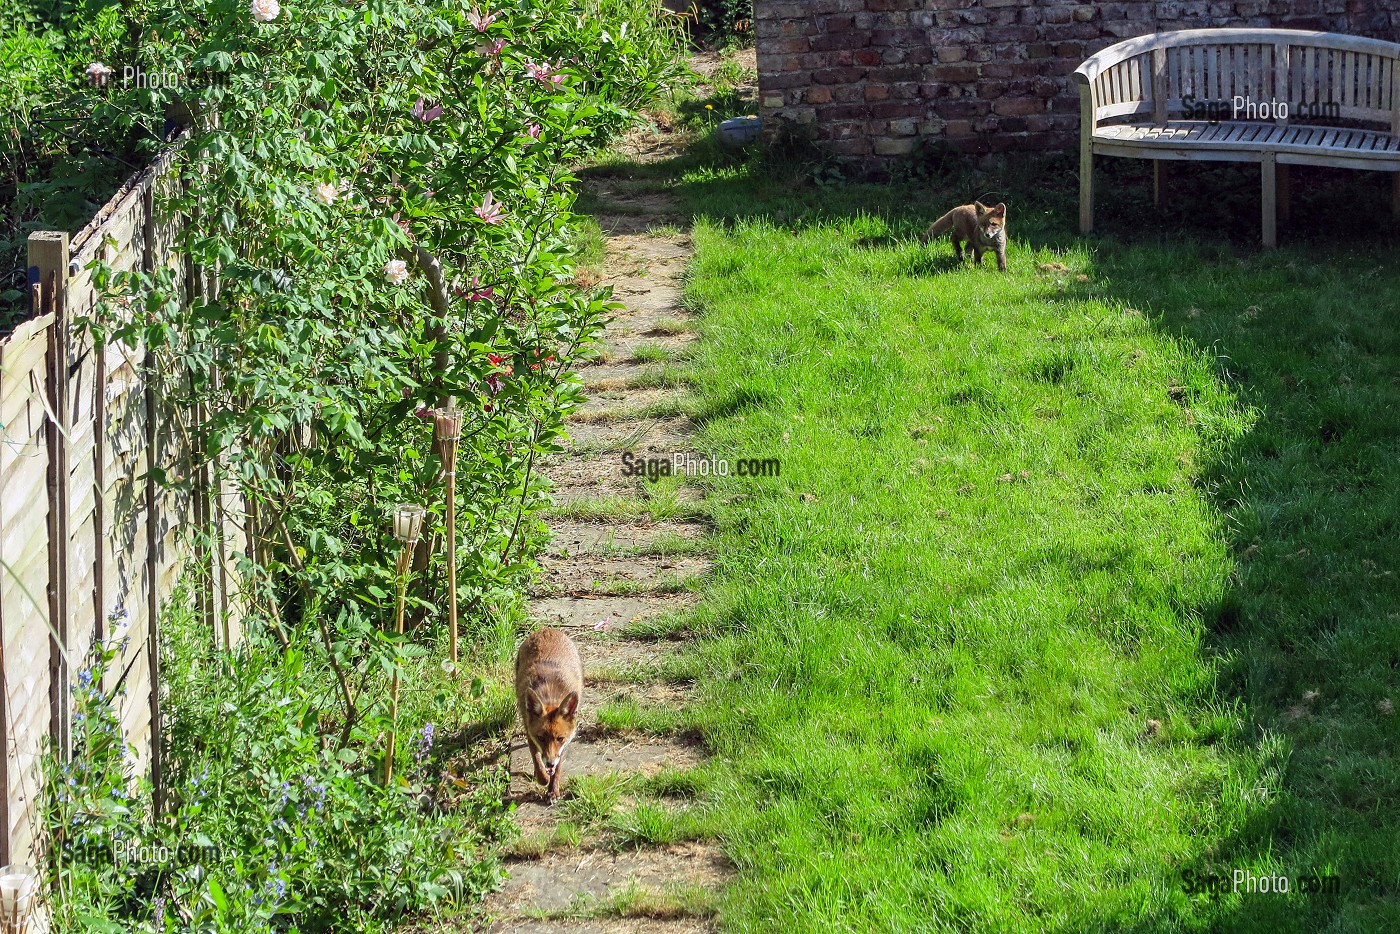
(85, 528)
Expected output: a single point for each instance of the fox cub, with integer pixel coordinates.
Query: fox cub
(548, 689)
(982, 227)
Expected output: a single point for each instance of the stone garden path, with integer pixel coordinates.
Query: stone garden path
(586, 865)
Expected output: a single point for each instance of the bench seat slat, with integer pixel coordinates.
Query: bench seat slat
(1254, 136)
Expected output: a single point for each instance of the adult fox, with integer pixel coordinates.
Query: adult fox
(548, 690)
(982, 227)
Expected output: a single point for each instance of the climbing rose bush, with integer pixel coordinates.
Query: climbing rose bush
(381, 188)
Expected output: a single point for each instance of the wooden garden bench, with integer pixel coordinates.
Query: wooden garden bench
(1152, 97)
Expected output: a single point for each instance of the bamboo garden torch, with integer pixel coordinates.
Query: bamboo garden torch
(449, 432)
(408, 525)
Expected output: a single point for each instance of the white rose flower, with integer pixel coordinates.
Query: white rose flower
(396, 271)
(98, 74)
(265, 11)
(326, 193)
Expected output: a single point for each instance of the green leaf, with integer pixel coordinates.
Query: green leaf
(216, 892)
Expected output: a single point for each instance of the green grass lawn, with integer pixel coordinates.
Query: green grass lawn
(1074, 581)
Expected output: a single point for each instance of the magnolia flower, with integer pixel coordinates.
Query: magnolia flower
(479, 294)
(489, 210)
(424, 113)
(265, 11)
(396, 271)
(544, 74)
(326, 193)
(534, 131)
(98, 74)
(492, 48)
(482, 20)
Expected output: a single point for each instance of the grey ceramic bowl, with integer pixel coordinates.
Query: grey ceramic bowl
(739, 131)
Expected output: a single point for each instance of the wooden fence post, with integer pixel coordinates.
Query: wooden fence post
(48, 268)
(153, 538)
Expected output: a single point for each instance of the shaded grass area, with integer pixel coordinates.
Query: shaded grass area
(1073, 582)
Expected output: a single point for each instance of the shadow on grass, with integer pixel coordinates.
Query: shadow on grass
(1307, 636)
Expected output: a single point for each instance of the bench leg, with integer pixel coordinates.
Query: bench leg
(1269, 186)
(1395, 194)
(1285, 193)
(1086, 188)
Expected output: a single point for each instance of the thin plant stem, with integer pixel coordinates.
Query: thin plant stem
(405, 557)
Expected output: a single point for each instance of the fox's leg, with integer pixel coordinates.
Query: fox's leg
(540, 775)
(1001, 257)
(555, 780)
(957, 247)
(977, 256)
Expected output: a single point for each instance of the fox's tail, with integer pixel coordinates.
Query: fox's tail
(940, 226)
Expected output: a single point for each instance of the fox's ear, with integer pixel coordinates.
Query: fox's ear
(570, 705)
(999, 210)
(534, 704)
(981, 208)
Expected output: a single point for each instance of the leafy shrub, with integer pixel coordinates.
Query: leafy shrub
(725, 21)
(382, 188)
(266, 822)
(64, 149)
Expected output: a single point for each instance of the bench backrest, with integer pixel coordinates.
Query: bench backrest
(1318, 74)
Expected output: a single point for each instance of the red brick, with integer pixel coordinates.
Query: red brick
(1017, 34)
(785, 46)
(851, 147)
(955, 73)
(1018, 106)
(784, 80)
(839, 40)
(876, 92)
(897, 110)
(838, 75)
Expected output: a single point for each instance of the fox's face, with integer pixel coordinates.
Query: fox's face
(551, 728)
(991, 222)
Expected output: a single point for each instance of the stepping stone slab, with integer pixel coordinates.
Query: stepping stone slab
(607, 754)
(657, 437)
(582, 574)
(561, 881)
(586, 538)
(573, 614)
(602, 926)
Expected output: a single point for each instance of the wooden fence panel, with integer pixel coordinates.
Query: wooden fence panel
(92, 547)
(24, 634)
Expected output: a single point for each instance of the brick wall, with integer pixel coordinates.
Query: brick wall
(869, 78)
